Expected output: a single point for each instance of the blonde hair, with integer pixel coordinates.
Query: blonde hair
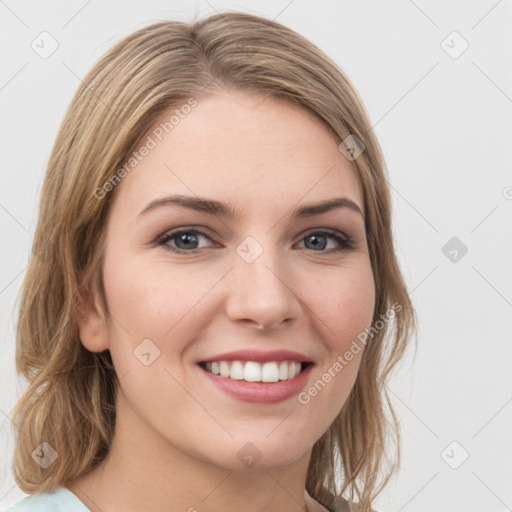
(70, 399)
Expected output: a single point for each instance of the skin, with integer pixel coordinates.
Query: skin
(177, 436)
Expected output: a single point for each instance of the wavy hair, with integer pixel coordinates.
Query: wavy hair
(70, 399)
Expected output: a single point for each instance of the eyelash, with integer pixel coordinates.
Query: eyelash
(344, 241)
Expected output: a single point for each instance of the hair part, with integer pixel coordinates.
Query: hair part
(71, 392)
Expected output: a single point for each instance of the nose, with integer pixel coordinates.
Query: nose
(262, 294)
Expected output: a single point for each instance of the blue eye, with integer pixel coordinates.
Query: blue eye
(187, 240)
(319, 241)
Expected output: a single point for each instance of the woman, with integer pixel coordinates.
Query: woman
(214, 303)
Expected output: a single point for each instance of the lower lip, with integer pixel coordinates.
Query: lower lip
(261, 392)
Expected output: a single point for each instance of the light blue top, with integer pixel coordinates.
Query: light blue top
(62, 500)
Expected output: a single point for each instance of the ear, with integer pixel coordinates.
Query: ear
(92, 323)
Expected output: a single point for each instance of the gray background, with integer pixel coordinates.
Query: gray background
(444, 122)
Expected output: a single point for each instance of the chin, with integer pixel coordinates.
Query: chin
(263, 455)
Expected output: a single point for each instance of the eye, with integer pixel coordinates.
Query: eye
(188, 241)
(185, 240)
(318, 241)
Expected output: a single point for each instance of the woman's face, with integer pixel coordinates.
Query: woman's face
(185, 286)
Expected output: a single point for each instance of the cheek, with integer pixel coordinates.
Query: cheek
(344, 310)
(345, 304)
(154, 302)
(148, 299)
(147, 308)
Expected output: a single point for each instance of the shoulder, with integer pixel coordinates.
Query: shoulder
(343, 505)
(61, 500)
(333, 504)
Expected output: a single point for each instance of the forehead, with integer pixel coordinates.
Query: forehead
(246, 148)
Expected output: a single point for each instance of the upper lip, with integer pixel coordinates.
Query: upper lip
(259, 356)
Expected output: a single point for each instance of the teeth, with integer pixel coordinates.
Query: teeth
(224, 369)
(270, 372)
(252, 371)
(283, 370)
(237, 371)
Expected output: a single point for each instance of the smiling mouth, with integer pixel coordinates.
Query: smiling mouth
(252, 371)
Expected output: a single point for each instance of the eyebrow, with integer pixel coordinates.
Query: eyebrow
(217, 208)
